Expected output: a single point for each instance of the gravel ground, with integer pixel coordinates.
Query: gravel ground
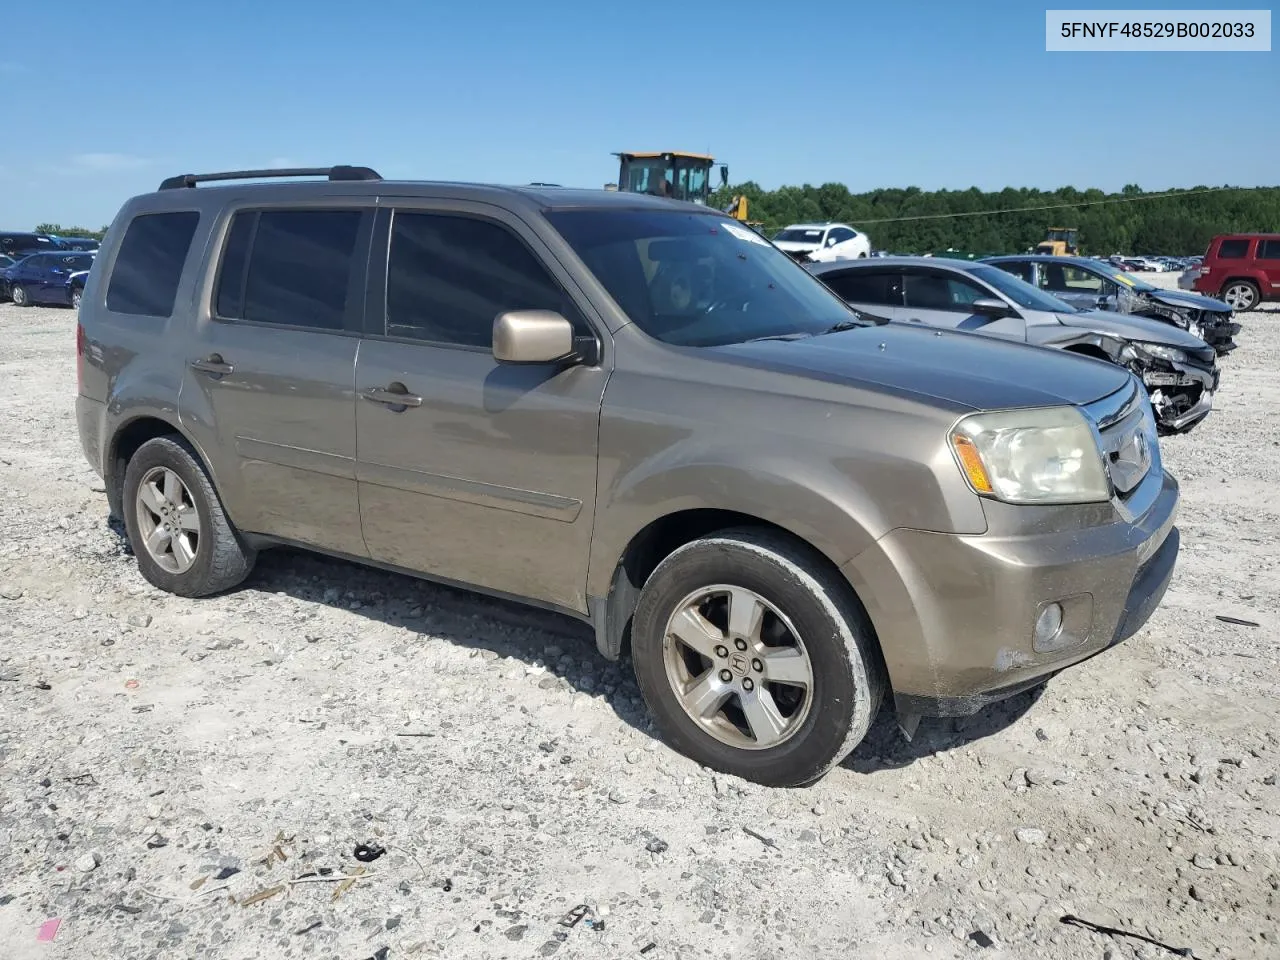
(167, 766)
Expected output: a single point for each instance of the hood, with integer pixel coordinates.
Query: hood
(1177, 298)
(964, 370)
(1129, 327)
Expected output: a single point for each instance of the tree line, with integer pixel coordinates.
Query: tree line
(58, 230)
(1133, 221)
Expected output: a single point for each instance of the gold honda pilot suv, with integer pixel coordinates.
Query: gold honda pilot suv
(637, 412)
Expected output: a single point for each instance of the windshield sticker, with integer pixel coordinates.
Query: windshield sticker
(745, 233)
(1125, 280)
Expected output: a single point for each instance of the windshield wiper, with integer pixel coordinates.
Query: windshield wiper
(864, 319)
(779, 336)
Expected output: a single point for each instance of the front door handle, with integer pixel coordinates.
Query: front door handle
(213, 365)
(394, 395)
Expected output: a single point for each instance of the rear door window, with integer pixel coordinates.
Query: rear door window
(1233, 249)
(148, 268)
(292, 268)
(881, 288)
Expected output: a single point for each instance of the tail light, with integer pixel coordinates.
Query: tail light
(80, 345)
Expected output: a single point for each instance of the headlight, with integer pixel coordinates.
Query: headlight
(1162, 351)
(1045, 455)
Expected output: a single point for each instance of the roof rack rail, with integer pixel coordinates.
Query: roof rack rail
(340, 172)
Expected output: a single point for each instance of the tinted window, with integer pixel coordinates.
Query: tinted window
(229, 298)
(449, 277)
(298, 270)
(842, 234)
(148, 266)
(1269, 249)
(879, 287)
(933, 291)
(1233, 249)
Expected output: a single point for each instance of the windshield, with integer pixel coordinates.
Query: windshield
(1115, 273)
(699, 280)
(798, 236)
(1021, 292)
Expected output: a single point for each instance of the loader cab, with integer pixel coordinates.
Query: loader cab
(674, 174)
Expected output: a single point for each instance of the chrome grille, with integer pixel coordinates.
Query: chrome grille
(1127, 436)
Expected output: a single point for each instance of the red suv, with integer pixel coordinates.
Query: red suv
(1242, 268)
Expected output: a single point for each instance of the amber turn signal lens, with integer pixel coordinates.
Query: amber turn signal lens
(972, 464)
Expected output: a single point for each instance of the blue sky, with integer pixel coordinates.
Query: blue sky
(945, 94)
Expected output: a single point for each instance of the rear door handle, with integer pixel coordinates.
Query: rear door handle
(395, 395)
(213, 365)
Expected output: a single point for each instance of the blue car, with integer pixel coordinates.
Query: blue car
(87, 244)
(47, 278)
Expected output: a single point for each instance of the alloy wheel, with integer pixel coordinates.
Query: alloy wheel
(1239, 296)
(738, 667)
(168, 521)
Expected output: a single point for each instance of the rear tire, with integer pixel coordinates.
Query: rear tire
(811, 714)
(181, 537)
(18, 294)
(1241, 295)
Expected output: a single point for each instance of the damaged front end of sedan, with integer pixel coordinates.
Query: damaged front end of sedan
(1181, 380)
(1214, 326)
(1181, 383)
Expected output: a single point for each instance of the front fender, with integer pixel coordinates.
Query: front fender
(837, 500)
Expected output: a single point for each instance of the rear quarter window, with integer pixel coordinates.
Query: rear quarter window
(1269, 249)
(148, 268)
(1233, 249)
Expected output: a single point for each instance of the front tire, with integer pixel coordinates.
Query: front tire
(75, 299)
(755, 658)
(18, 294)
(180, 534)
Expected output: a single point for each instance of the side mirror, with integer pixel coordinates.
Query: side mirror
(531, 336)
(724, 175)
(990, 307)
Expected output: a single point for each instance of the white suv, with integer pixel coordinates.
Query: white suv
(823, 242)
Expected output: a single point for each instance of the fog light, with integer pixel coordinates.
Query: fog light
(1049, 628)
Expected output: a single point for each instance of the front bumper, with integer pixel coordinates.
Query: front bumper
(955, 615)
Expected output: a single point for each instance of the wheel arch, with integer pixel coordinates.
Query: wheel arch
(1241, 278)
(612, 613)
(128, 436)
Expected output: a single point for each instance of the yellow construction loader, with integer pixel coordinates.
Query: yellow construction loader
(676, 174)
(1059, 242)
